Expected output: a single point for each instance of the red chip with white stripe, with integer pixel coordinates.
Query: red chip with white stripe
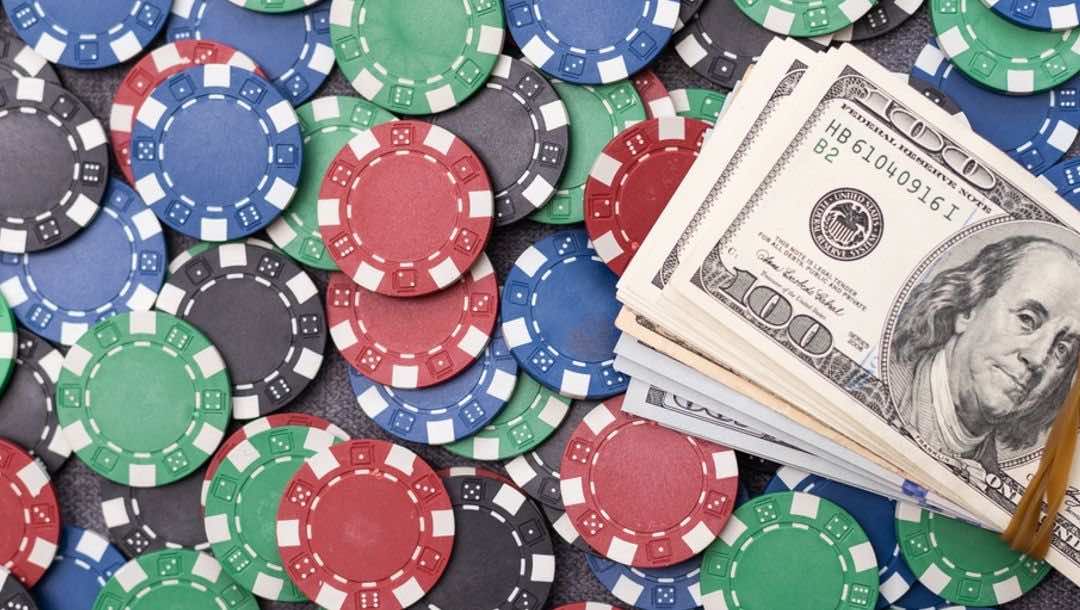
(365, 524)
(153, 69)
(633, 180)
(29, 515)
(405, 208)
(651, 90)
(641, 494)
(419, 342)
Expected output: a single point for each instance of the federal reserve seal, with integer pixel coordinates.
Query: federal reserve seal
(846, 224)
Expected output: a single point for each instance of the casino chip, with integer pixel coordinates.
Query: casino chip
(805, 18)
(920, 598)
(243, 499)
(56, 165)
(558, 317)
(872, 512)
(275, 6)
(153, 69)
(183, 398)
(382, 337)
(687, 10)
(1055, 15)
(83, 564)
(326, 124)
(632, 182)
(408, 519)
(173, 579)
(405, 250)
(676, 587)
(217, 152)
(641, 494)
(653, 93)
(836, 566)
(963, 563)
(1064, 178)
(591, 41)
(1034, 130)
(935, 95)
(472, 471)
(446, 412)
(88, 37)
(29, 515)
(257, 426)
(530, 416)
(116, 264)
(263, 311)
(1001, 55)
(146, 519)
(884, 17)
(27, 412)
(503, 556)
(565, 528)
(20, 61)
(525, 163)
(537, 472)
(700, 104)
(597, 114)
(13, 594)
(416, 56)
(293, 48)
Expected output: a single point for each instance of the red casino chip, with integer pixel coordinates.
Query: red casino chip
(641, 494)
(406, 208)
(414, 343)
(654, 94)
(253, 427)
(152, 70)
(633, 180)
(365, 524)
(29, 515)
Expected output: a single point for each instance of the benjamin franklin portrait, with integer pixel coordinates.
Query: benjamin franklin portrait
(984, 348)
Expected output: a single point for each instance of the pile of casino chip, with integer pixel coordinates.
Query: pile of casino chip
(363, 224)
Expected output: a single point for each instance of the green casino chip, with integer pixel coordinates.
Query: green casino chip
(173, 579)
(530, 416)
(9, 343)
(327, 124)
(417, 56)
(701, 104)
(242, 504)
(999, 54)
(144, 398)
(964, 564)
(805, 18)
(597, 114)
(751, 564)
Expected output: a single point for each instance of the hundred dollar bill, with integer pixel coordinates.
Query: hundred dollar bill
(910, 277)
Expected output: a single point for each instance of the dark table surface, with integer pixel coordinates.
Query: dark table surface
(331, 397)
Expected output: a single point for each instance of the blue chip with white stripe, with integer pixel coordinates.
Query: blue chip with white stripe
(115, 265)
(88, 35)
(292, 48)
(84, 562)
(676, 587)
(872, 512)
(591, 42)
(446, 412)
(1035, 130)
(1051, 15)
(558, 317)
(216, 152)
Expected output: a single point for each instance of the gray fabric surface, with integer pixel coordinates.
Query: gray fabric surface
(331, 397)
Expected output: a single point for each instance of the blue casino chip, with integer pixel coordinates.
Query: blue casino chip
(292, 48)
(84, 562)
(591, 42)
(872, 512)
(88, 35)
(216, 152)
(116, 264)
(1055, 15)
(1035, 130)
(921, 598)
(1064, 178)
(449, 411)
(676, 587)
(558, 312)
